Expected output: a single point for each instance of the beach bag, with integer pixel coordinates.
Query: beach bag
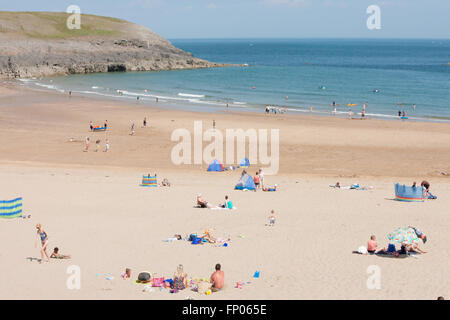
(144, 276)
(391, 248)
(196, 240)
(203, 286)
(362, 250)
(158, 282)
(230, 205)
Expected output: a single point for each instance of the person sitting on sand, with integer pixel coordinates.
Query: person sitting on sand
(97, 145)
(337, 185)
(372, 246)
(227, 204)
(217, 279)
(179, 279)
(165, 183)
(126, 274)
(56, 255)
(43, 237)
(272, 218)
(202, 202)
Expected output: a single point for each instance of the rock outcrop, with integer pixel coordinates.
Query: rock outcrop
(37, 44)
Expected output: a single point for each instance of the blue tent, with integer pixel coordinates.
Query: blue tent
(244, 163)
(215, 166)
(245, 183)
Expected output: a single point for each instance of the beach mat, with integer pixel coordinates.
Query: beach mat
(385, 255)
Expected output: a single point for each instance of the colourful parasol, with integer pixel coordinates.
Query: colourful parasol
(403, 236)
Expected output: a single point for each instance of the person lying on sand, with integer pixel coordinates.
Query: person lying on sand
(56, 255)
(274, 188)
(202, 202)
(372, 246)
(207, 236)
(413, 248)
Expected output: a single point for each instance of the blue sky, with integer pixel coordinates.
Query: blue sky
(265, 18)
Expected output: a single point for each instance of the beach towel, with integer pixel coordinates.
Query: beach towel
(10, 209)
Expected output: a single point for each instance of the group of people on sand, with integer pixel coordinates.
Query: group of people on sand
(372, 247)
(87, 143)
(180, 280)
(202, 203)
(42, 236)
(275, 110)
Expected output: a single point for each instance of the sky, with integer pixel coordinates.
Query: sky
(189, 19)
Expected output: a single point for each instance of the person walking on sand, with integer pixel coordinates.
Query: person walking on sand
(145, 122)
(107, 146)
(132, 129)
(91, 126)
(217, 279)
(43, 237)
(106, 124)
(97, 145)
(86, 142)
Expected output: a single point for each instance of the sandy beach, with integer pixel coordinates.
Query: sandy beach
(93, 208)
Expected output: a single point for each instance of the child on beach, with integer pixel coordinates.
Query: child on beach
(126, 274)
(272, 218)
(97, 145)
(256, 180)
(56, 255)
(107, 146)
(86, 142)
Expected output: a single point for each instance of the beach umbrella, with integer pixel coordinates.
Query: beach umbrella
(403, 236)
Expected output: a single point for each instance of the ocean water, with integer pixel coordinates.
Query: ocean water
(292, 73)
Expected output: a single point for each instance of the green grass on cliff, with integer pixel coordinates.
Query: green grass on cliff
(52, 25)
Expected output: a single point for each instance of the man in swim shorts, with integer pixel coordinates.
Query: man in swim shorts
(217, 279)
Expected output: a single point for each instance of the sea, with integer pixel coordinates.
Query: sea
(296, 75)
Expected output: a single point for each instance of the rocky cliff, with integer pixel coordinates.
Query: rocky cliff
(37, 44)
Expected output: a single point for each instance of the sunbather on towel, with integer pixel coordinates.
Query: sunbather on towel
(208, 237)
(274, 188)
(202, 202)
(414, 248)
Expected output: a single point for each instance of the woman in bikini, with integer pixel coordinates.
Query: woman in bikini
(43, 237)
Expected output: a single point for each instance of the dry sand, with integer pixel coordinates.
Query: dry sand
(92, 207)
